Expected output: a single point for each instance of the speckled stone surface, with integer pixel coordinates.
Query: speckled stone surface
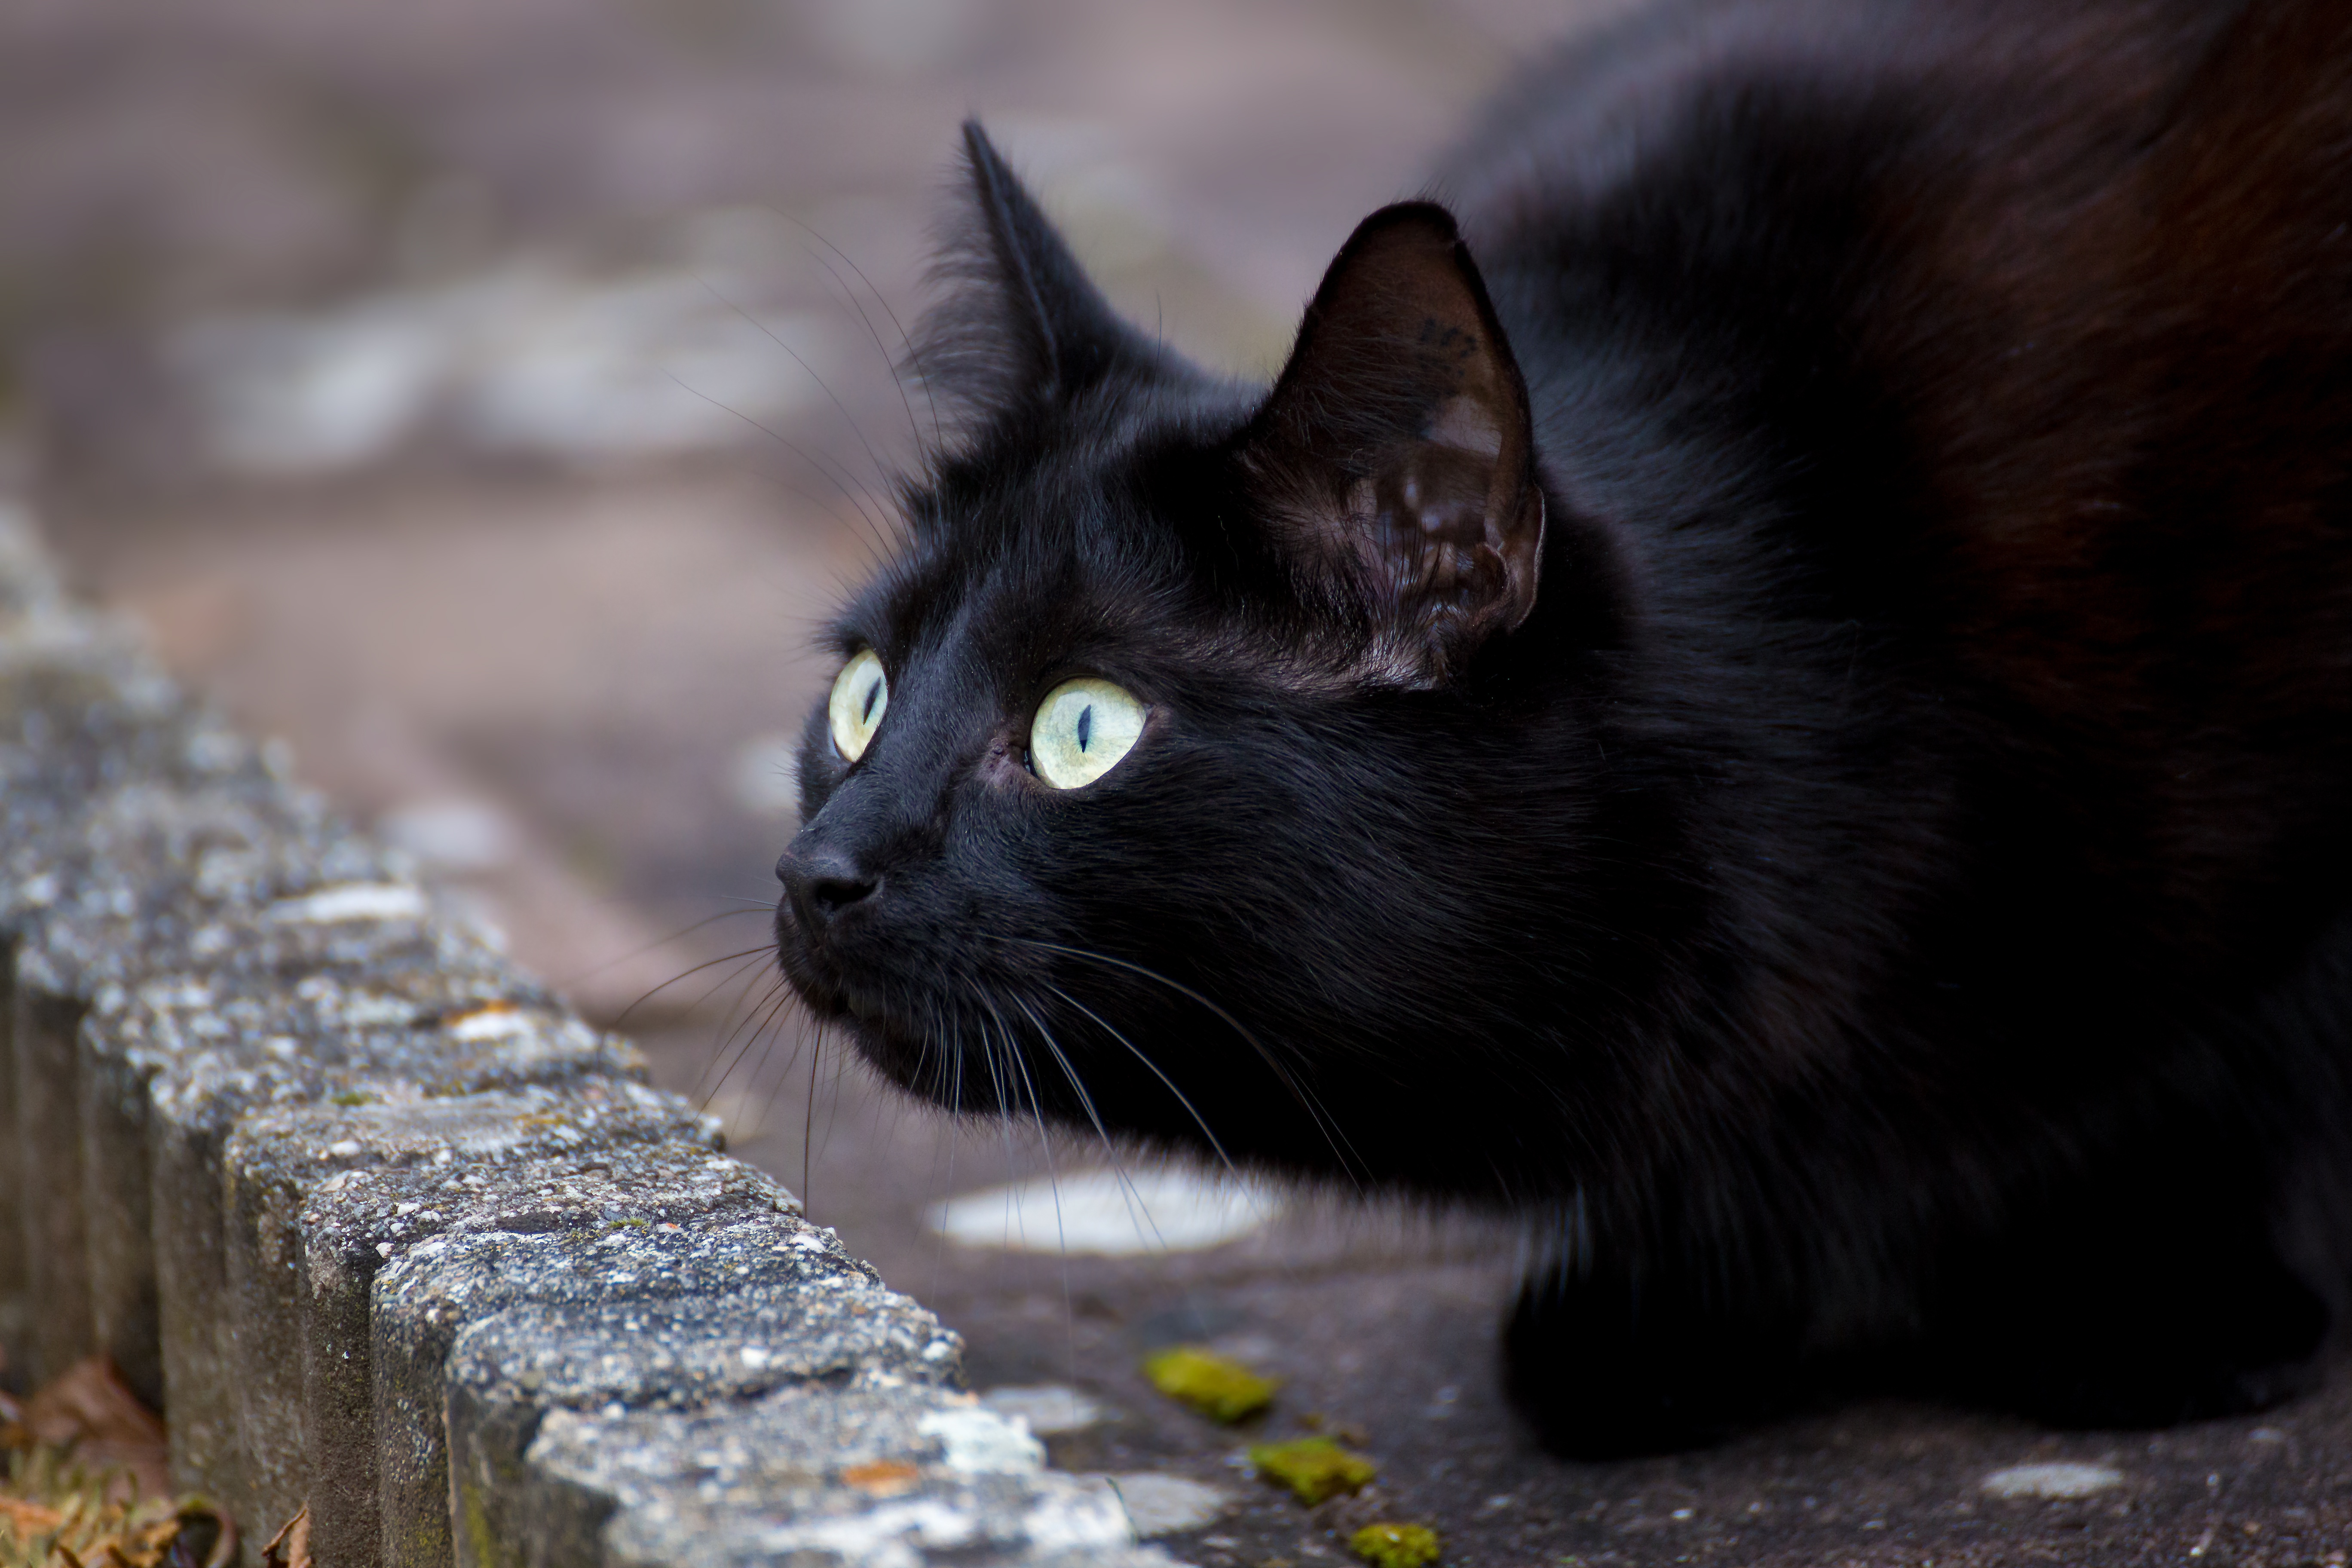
(683, 1352)
(68, 739)
(620, 1224)
(143, 889)
(272, 1011)
(862, 1479)
(79, 713)
(187, 1058)
(660, 1317)
(488, 1156)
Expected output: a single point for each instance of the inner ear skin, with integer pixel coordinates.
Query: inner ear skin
(1398, 441)
(1429, 539)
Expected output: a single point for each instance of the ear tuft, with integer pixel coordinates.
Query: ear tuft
(1397, 450)
(1019, 323)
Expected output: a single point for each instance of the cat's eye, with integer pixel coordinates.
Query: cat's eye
(1082, 730)
(861, 693)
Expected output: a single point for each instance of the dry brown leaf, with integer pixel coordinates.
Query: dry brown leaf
(290, 1547)
(88, 1402)
(29, 1518)
(90, 1409)
(57, 1511)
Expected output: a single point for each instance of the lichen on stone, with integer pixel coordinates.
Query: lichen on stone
(1315, 1468)
(1396, 1545)
(1224, 1391)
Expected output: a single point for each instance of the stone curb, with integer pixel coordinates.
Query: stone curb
(389, 1233)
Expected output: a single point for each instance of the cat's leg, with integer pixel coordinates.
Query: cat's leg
(2143, 1308)
(1605, 1366)
(2197, 1270)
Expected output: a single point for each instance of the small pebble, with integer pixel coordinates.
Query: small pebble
(1162, 1504)
(2054, 1480)
(1050, 1409)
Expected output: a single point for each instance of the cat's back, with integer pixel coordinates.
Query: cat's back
(2021, 334)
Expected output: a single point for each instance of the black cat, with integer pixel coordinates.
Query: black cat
(1791, 721)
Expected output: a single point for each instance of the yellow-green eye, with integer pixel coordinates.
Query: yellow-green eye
(1082, 730)
(861, 693)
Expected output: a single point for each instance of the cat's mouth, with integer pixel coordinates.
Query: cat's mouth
(830, 994)
(887, 1036)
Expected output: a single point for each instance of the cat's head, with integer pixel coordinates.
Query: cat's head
(1147, 795)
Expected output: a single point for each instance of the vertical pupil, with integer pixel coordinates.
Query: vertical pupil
(872, 692)
(1085, 725)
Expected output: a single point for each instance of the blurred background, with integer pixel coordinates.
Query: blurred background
(489, 400)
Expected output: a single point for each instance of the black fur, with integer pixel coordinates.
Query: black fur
(1836, 811)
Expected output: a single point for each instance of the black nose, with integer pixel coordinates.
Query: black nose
(822, 883)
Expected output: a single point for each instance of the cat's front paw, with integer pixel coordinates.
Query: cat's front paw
(2110, 1326)
(2151, 1372)
(1600, 1370)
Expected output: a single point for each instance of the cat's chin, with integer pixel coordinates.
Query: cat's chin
(897, 1047)
(833, 1000)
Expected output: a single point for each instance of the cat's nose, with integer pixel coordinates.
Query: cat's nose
(822, 882)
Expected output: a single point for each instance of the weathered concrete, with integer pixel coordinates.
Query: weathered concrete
(44, 802)
(677, 1352)
(661, 1219)
(86, 724)
(16, 1283)
(222, 1048)
(339, 1186)
(658, 1316)
(487, 1159)
(251, 1002)
(863, 1479)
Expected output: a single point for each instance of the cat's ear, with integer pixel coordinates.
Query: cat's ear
(1396, 452)
(1020, 324)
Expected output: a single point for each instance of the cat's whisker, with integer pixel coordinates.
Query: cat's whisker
(778, 437)
(1019, 1060)
(808, 1114)
(800, 493)
(729, 1029)
(792, 1004)
(1190, 1109)
(660, 942)
(946, 1146)
(1077, 1085)
(955, 1079)
(778, 1000)
(898, 379)
(1348, 1159)
(914, 353)
(738, 957)
(1005, 1109)
(739, 963)
(1137, 1214)
(1053, 1177)
(881, 472)
(1008, 1107)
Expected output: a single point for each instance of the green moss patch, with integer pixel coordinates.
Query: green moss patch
(1396, 1545)
(1223, 1391)
(1315, 1468)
